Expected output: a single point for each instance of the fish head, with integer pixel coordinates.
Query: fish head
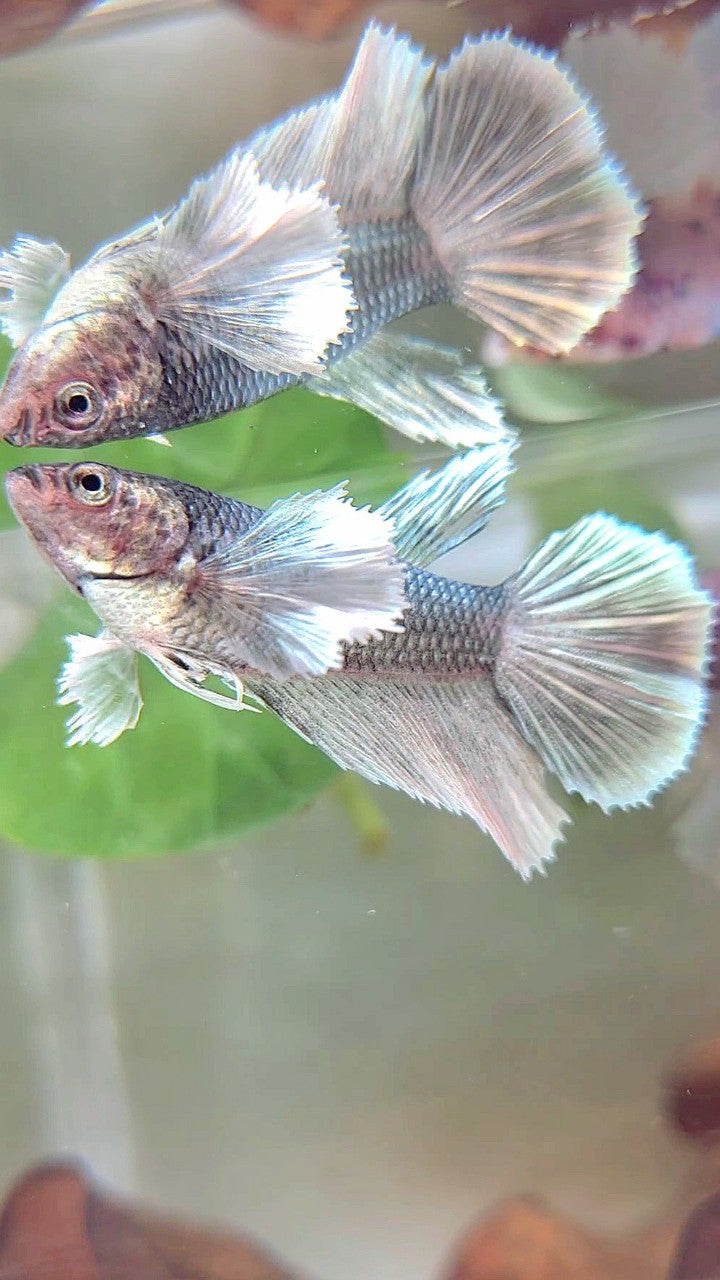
(94, 522)
(83, 379)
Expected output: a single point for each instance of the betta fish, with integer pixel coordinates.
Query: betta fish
(588, 661)
(482, 182)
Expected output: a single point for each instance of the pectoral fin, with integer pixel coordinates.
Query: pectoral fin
(100, 676)
(252, 269)
(312, 572)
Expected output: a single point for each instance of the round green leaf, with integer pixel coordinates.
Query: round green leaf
(190, 774)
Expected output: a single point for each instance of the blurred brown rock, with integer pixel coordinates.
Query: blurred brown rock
(524, 1240)
(698, 1252)
(24, 23)
(56, 1225)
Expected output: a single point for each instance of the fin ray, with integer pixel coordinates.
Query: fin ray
(335, 139)
(32, 272)
(511, 175)
(312, 572)
(100, 676)
(253, 270)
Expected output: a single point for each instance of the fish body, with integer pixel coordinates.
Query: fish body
(487, 186)
(589, 661)
(201, 382)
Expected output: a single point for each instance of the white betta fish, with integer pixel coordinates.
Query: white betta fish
(588, 661)
(481, 182)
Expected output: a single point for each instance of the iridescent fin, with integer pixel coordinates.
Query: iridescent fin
(421, 388)
(336, 139)
(101, 677)
(602, 659)
(253, 270)
(451, 744)
(32, 272)
(439, 510)
(532, 222)
(312, 572)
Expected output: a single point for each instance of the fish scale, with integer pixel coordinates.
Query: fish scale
(450, 628)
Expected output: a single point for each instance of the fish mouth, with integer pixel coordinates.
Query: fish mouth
(21, 432)
(31, 472)
(23, 487)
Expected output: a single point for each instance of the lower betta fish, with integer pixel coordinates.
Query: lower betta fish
(482, 182)
(588, 661)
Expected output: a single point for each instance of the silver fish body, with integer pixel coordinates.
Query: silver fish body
(589, 661)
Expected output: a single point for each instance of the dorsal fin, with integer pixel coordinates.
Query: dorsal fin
(32, 272)
(336, 139)
(437, 511)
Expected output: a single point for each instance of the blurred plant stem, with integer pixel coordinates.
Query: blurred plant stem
(366, 818)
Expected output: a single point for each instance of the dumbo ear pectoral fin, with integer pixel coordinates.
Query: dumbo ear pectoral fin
(101, 677)
(253, 269)
(312, 573)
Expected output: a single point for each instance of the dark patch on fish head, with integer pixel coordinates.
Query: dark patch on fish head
(94, 521)
(82, 381)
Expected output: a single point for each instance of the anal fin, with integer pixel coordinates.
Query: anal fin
(453, 745)
(423, 389)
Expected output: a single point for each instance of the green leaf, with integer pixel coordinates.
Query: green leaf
(554, 392)
(190, 774)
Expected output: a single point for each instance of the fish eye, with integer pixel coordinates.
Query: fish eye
(91, 485)
(78, 405)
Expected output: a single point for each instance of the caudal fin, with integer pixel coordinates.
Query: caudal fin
(602, 659)
(532, 222)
